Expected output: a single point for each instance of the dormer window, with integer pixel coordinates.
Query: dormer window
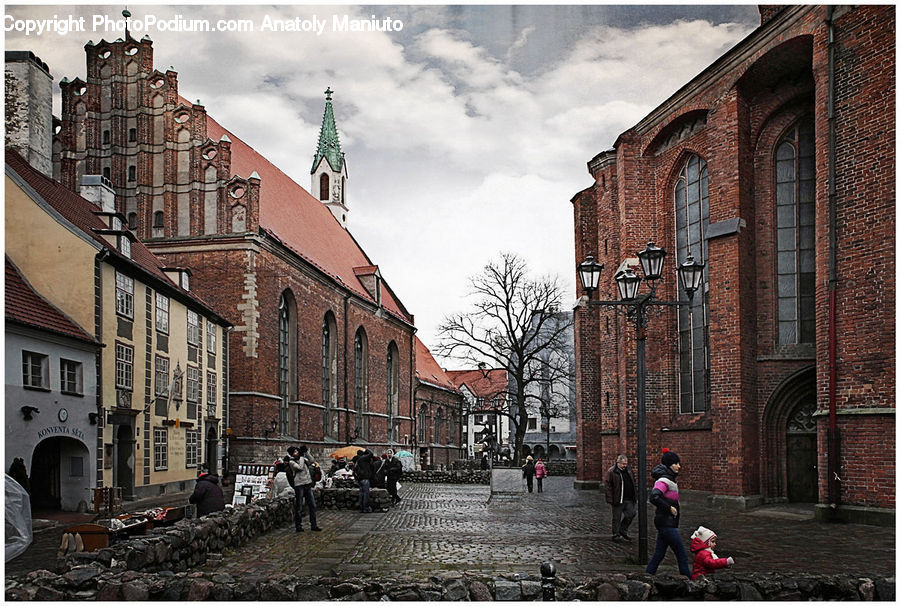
(185, 280)
(125, 245)
(115, 222)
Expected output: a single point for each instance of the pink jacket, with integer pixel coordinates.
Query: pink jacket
(539, 470)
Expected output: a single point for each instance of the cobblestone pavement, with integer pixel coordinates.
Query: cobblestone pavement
(442, 527)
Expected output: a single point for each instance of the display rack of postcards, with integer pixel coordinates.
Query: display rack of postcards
(252, 483)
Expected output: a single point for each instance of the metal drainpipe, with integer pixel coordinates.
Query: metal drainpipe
(834, 444)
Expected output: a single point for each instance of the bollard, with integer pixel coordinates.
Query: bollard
(548, 581)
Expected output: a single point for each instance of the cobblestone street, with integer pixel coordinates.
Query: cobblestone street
(442, 527)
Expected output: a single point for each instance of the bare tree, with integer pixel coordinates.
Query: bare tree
(513, 325)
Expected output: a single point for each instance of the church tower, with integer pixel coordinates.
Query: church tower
(329, 170)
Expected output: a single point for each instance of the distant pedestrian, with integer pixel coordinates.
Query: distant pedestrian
(393, 472)
(703, 541)
(363, 471)
(528, 472)
(301, 465)
(540, 472)
(620, 494)
(207, 495)
(665, 497)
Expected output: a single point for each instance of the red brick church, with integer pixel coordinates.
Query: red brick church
(775, 166)
(322, 349)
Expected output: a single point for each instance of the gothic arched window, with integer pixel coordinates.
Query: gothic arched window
(439, 426)
(795, 200)
(361, 381)
(324, 186)
(691, 224)
(329, 374)
(287, 329)
(422, 422)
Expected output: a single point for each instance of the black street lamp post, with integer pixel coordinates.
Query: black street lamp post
(690, 274)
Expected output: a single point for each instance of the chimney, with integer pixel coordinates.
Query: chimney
(98, 189)
(29, 109)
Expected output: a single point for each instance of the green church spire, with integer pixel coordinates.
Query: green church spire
(329, 143)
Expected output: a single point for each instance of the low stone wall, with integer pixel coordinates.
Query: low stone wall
(560, 467)
(189, 542)
(94, 582)
(452, 476)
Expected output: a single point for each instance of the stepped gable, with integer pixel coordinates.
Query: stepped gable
(429, 371)
(82, 214)
(294, 217)
(24, 306)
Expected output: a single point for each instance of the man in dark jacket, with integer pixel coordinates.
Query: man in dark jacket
(208, 495)
(363, 472)
(620, 494)
(528, 472)
(668, 513)
(393, 469)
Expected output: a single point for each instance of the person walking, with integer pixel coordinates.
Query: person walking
(706, 562)
(394, 469)
(528, 473)
(665, 497)
(620, 493)
(363, 471)
(540, 472)
(301, 465)
(207, 495)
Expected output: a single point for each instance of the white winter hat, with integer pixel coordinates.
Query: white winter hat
(704, 534)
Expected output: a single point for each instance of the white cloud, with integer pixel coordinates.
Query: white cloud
(454, 155)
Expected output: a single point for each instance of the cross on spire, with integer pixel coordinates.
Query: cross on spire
(328, 93)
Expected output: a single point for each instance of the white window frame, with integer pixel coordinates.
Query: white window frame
(191, 443)
(193, 328)
(193, 384)
(160, 449)
(124, 295)
(211, 337)
(125, 246)
(124, 366)
(70, 377)
(211, 389)
(31, 362)
(162, 376)
(162, 313)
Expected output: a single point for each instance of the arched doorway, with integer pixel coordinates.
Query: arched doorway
(539, 452)
(789, 445)
(125, 460)
(553, 453)
(802, 468)
(212, 451)
(60, 475)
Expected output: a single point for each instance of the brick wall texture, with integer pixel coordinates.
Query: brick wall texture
(734, 115)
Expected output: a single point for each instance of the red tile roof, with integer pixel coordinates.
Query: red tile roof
(494, 384)
(428, 370)
(26, 307)
(81, 213)
(302, 223)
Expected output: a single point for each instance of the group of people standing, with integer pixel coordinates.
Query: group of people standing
(621, 495)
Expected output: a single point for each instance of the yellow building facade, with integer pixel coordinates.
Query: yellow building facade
(162, 370)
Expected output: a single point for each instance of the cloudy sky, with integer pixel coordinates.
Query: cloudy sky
(466, 132)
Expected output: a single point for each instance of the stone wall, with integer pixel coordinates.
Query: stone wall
(94, 582)
(189, 542)
(453, 476)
